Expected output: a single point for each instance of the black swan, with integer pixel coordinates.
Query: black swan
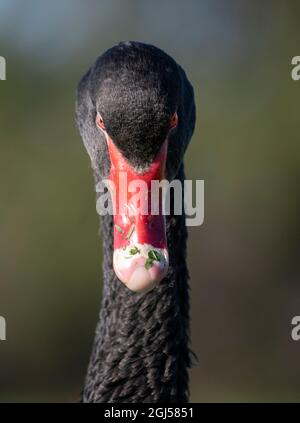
(135, 112)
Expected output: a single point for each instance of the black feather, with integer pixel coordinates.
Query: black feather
(141, 351)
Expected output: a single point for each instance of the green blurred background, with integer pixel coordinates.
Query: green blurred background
(244, 260)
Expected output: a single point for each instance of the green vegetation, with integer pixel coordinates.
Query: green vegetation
(153, 256)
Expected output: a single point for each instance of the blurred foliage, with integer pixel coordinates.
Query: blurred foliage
(244, 260)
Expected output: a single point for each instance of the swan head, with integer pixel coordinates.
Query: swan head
(128, 115)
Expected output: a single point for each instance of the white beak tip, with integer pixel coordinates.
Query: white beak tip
(137, 272)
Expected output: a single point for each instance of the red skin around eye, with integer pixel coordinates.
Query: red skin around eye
(131, 228)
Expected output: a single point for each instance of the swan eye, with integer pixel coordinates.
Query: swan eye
(100, 122)
(174, 120)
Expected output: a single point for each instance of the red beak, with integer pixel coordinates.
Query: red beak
(140, 245)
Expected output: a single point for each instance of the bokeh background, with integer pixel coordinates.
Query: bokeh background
(244, 260)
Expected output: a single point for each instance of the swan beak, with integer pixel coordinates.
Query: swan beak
(140, 257)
